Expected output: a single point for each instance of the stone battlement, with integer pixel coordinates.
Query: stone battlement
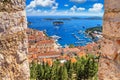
(13, 41)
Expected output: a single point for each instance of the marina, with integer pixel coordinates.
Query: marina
(69, 31)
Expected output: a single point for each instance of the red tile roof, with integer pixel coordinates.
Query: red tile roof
(31, 37)
(81, 54)
(33, 49)
(46, 42)
(48, 55)
(44, 55)
(71, 50)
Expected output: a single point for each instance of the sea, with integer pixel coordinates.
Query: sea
(71, 31)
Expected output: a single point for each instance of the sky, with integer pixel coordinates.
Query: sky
(65, 7)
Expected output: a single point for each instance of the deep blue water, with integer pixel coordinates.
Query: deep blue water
(67, 31)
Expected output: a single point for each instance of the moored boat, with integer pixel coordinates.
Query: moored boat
(55, 37)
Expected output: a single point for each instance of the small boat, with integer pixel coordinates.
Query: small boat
(29, 23)
(58, 23)
(55, 37)
(73, 33)
(81, 42)
(86, 37)
(80, 32)
(76, 37)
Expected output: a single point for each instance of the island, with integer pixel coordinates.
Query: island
(58, 23)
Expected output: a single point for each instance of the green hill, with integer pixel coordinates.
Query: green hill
(91, 30)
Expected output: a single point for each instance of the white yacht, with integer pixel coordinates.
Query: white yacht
(55, 37)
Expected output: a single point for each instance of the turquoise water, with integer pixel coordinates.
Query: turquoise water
(71, 32)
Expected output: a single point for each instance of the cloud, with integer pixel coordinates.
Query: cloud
(75, 9)
(66, 5)
(81, 9)
(55, 6)
(97, 7)
(49, 7)
(35, 6)
(42, 3)
(33, 12)
(31, 5)
(62, 13)
(78, 1)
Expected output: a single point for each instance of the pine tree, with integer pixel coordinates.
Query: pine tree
(63, 75)
(33, 71)
(71, 71)
(40, 72)
(84, 68)
(47, 72)
(54, 72)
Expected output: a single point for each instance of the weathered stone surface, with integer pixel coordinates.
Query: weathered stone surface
(13, 41)
(13, 60)
(110, 48)
(1, 30)
(111, 24)
(112, 5)
(109, 67)
(17, 19)
(12, 5)
(109, 70)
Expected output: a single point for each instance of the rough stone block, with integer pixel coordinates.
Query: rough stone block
(109, 65)
(112, 5)
(111, 29)
(13, 41)
(111, 24)
(12, 5)
(12, 22)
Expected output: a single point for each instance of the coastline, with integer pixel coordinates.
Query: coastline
(64, 31)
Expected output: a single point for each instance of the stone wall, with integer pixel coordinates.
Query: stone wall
(13, 41)
(109, 67)
(112, 19)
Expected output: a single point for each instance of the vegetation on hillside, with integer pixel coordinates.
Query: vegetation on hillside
(91, 30)
(84, 68)
(71, 46)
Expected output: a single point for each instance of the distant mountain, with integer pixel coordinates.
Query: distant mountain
(88, 18)
(51, 19)
(94, 18)
(75, 18)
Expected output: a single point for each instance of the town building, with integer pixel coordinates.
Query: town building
(41, 46)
